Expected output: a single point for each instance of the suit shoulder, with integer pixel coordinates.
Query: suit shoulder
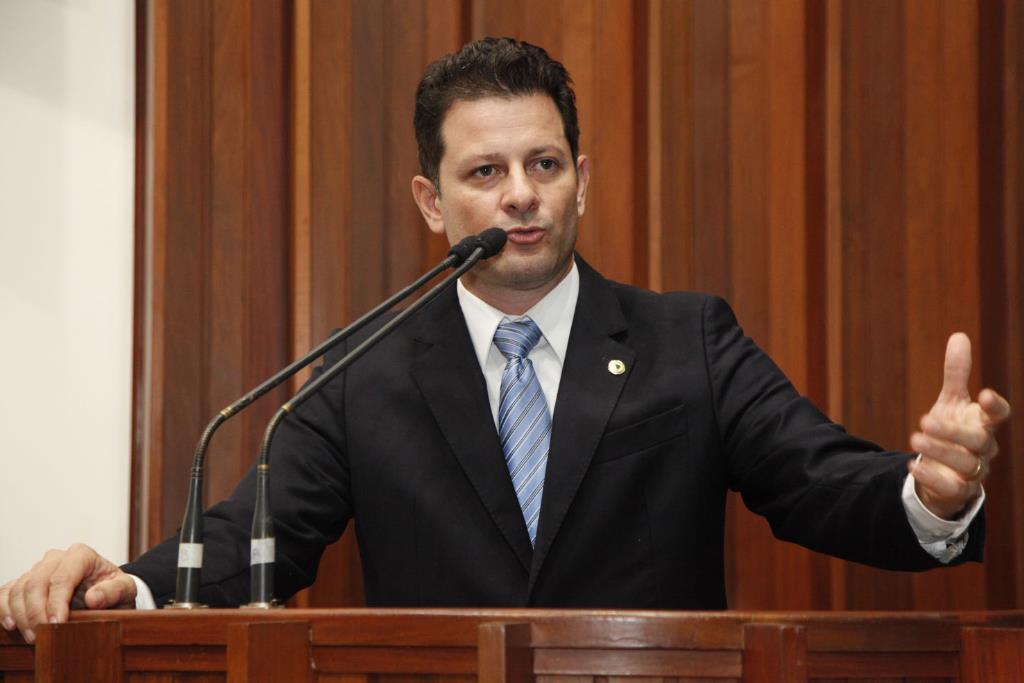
(686, 304)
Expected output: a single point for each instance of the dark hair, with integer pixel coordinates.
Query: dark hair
(489, 67)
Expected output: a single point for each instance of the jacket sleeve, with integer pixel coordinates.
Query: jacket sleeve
(814, 483)
(310, 503)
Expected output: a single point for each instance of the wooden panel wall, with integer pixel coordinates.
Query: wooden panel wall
(847, 173)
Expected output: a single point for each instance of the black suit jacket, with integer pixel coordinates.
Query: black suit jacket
(633, 507)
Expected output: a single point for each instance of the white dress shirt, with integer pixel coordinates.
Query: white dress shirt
(553, 315)
(942, 539)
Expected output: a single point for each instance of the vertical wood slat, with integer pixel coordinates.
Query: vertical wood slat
(176, 216)
(1013, 253)
(828, 141)
(300, 153)
(992, 654)
(505, 654)
(615, 199)
(79, 653)
(138, 509)
(1002, 277)
(266, 205)
(748, 157)
(322, 269)
(303, 335)
(940, 172)
(768, 236)
(216, 230)
(447, 27)
(224, 319)
(873, 248)
(267, 652)
(369, 269)
(774, 653)
(712, 101)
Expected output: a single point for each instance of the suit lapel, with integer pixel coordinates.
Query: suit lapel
(587, 394)
(453, 386)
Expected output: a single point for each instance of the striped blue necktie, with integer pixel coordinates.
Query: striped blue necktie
(524, 424)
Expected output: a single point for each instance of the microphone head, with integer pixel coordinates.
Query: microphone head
(464, 248)
(491, 241)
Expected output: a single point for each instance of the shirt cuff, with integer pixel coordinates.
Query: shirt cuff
(143, 596)
(943, 539)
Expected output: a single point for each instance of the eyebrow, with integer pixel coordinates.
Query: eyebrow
(494, 156)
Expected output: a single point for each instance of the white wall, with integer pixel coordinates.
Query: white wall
(66, 176)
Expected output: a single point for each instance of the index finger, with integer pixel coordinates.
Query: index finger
(995, 407)
(5, 610)
(72, 569)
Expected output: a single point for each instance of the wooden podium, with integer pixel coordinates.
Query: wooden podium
(553, 646)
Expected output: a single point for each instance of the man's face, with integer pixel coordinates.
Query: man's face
(507, 163)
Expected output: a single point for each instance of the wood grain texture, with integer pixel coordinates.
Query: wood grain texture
(847, 173)
(873, 251)
(269, 652)
(79, 653)
(1001, 202)
(504, 653)
(446, 645)
(990, 654)
(774, 653)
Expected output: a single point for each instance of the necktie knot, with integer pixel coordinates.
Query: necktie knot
(516, 339)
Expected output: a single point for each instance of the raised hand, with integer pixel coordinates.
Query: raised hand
(957, 438)
(78, 576)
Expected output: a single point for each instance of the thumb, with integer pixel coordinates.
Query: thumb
(957, 369)
(109, 593)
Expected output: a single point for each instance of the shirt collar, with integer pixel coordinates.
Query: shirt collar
(553, 315)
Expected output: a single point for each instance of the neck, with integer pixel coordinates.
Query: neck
(513, 301)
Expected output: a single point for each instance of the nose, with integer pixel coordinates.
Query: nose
(520, 196)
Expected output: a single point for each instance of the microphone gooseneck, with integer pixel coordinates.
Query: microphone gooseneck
(262, 551)
(190, 539)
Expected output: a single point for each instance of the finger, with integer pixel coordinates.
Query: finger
(28, 596)
(957, 368)
(117, 591)
(74, 566)
(17, 607)
(19, 613)
(6, 620)
(996, 409)
(945, 455)
(972, 435)
(943, 490)
(956, 458)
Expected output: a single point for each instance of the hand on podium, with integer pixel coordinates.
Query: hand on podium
(77, 577)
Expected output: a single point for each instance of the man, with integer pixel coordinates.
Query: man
(541, 436)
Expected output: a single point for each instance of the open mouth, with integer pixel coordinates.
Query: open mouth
(525, 235)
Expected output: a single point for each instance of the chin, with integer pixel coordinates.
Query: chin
(528, 273)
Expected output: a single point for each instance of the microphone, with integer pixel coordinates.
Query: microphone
(262, 552)
(190, 539)
(490, 240)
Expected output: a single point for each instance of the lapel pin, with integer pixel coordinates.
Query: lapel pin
(616, 367)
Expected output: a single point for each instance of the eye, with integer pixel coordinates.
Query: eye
(485, 171)
(547, 164)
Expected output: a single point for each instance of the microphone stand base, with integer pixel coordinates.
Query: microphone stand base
(273, 604)
(184, 605)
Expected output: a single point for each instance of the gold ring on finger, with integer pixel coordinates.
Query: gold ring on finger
(977, 470)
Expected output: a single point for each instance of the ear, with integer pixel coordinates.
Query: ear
(429, 200)
(582, 183)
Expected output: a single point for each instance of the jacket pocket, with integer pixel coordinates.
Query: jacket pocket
(643, 435)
